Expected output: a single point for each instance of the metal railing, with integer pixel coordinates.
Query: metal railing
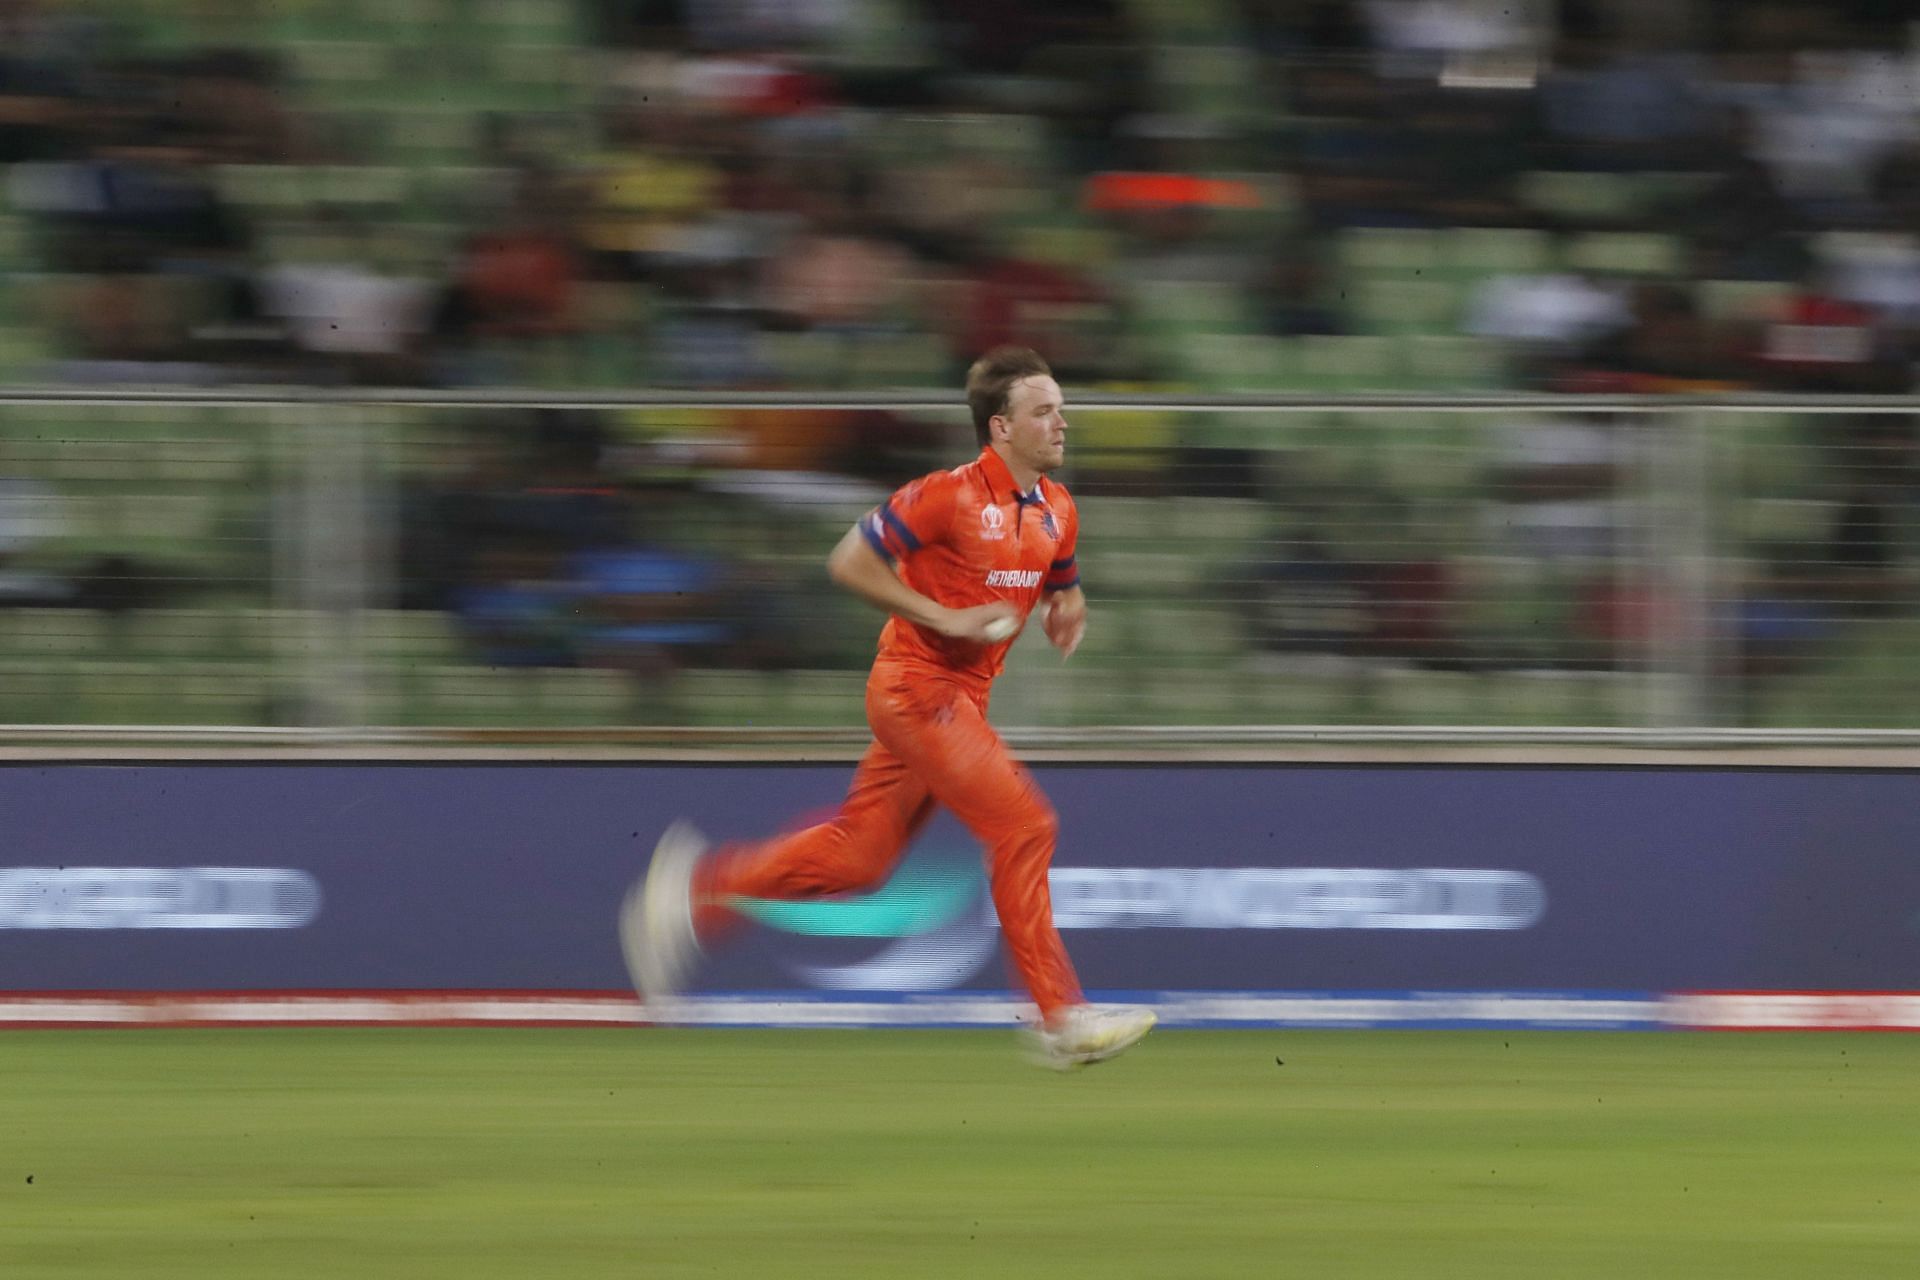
(374, 566)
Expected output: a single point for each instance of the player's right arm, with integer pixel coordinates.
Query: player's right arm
(861, 569)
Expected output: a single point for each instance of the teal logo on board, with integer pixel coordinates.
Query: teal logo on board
(929, 928)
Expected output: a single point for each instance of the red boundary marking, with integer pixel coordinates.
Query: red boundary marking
(1824, 1010)
(409, 1008)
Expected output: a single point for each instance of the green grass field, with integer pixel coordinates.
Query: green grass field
(665, 1153)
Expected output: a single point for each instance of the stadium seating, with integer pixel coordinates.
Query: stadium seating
(405, 95)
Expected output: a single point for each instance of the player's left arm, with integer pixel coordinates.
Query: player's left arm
(1064, 611)
(1065, 620)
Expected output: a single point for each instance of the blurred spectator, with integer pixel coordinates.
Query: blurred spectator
(1547, 312)
(1668, 345)
(520, 278)
(136, 201)
(355, 322)
(1053, 308)
(937, 205)
(1471, 147)
(232, 105)
(510, 529)
(39, 108)
(884, 449)
(1001, 36)
(1896, 189)
(651, 179)
(1874, 477)
(116, 320)
(1295, 299)
(1825, 126)
(1623, 106)
(1173, 205)
(1624, 620)
(35, 572)
(1880, 272)
(1414, 602)
(1820, 340)
(1417, 38)
(709, 318)
(517, 610)
(1395, 604)
(1302, 599)
(760, 24)
(547, 558)
(1738, 224)
(1558, 485)
(29, 516)
(837, 277)
(537, 480)
(1181, 243)
(1784, 614)
(1352, 158)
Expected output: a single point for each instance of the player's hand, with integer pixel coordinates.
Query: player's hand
(983, 623)
(1066, 621)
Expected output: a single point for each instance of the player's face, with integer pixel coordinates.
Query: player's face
(1035, 426)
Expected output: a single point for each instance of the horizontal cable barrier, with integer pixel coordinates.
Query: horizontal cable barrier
(394, 565)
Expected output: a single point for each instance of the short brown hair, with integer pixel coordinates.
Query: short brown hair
(991, 380)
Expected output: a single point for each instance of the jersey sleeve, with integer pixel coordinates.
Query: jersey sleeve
(918, 515)
(1064, 572)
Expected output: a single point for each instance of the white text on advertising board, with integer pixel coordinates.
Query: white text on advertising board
(1295, 898)
(157, 898)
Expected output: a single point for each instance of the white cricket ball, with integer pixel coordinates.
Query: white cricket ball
(1001, 628)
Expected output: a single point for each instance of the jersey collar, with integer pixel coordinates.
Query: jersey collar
(1000, 480)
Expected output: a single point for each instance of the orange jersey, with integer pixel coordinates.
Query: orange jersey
(968, 537)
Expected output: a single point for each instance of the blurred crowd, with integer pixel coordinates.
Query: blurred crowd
(748, 195)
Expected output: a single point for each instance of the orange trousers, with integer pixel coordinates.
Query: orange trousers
(932, 745)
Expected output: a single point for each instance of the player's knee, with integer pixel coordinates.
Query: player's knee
(1046, 825)
(863, 854)
(865, 880)
(1038, 829)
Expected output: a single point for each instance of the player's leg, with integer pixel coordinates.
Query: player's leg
(945, 737)
(683, 898)
(856, 849)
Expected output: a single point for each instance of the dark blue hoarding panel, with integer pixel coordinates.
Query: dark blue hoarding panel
(265, 877)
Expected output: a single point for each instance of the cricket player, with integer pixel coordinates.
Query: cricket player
(959, 559)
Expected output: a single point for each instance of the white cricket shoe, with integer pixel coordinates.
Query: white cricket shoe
(656, 920)
(1083, 1035)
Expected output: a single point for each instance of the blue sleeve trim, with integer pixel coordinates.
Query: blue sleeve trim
(1063, 586)
(874, 539)
(899, 527)
(1058, 565)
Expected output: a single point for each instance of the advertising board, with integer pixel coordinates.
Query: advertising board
(1282, 883)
